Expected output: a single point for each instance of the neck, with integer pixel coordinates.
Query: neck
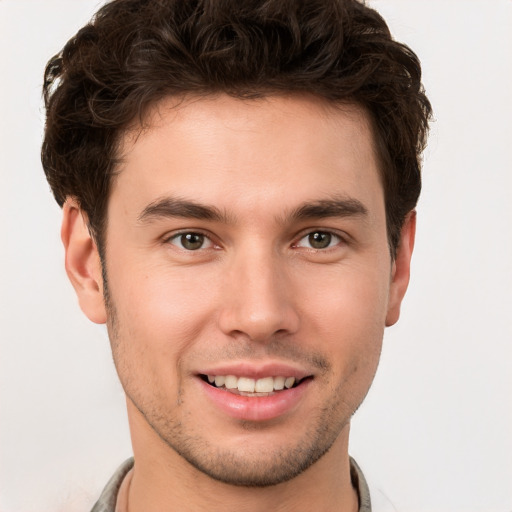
(163, 480)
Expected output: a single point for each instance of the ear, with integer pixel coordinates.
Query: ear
(401, 269)
(82, 261)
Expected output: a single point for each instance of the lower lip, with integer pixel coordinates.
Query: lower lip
(258, 408)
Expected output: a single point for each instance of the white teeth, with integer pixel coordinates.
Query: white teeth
(279, 383)
(231, 382)
(265, 385)
(288, 383)
(248, 385)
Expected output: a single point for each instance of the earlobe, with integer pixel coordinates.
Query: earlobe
(401, 269)
(82, 261)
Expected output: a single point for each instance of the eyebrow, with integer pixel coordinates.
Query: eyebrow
(334, 207)
(169, 207)
(181, 208)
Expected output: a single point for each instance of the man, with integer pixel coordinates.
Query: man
(238, 182)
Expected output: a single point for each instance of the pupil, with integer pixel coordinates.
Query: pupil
(320, 240)
(192, 241)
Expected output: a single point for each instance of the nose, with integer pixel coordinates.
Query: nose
(258, 301)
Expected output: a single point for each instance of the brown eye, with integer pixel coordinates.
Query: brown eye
(191, 241)
(319, 239)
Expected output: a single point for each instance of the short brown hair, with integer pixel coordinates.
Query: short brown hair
(136, 52)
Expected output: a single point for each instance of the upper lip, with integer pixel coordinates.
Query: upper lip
(256, 370)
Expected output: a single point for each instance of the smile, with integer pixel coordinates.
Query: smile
(247, 386)
(255, 392)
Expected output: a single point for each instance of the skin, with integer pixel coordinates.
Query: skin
(255, 293)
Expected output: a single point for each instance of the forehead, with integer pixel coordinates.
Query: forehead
(237, 152)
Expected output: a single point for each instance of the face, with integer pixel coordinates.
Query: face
(249, 280)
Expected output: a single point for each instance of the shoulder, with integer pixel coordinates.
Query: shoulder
(371, 497)
(107, 500)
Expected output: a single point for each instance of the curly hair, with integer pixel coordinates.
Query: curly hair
(134, 53)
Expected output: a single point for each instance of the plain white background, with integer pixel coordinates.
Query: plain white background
(435, 433)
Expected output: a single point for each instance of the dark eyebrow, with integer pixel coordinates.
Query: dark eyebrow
(187, 209)
(182, 208)
(336, 207)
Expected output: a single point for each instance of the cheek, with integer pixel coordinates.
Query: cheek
(351, 297)
(163, 299)
(347, 318)
(158, 316)
(355, 349)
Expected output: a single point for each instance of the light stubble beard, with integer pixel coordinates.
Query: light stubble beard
(250, 468)
(230, 466)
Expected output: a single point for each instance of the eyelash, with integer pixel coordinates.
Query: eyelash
(331, 237)
(179, 238)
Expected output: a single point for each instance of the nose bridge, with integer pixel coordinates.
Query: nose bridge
(259, 295)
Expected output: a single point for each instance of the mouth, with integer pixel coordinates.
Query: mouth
(246, 386)
(250, 393)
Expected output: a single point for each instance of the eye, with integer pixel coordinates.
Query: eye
(319, 240)
(191, 241)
